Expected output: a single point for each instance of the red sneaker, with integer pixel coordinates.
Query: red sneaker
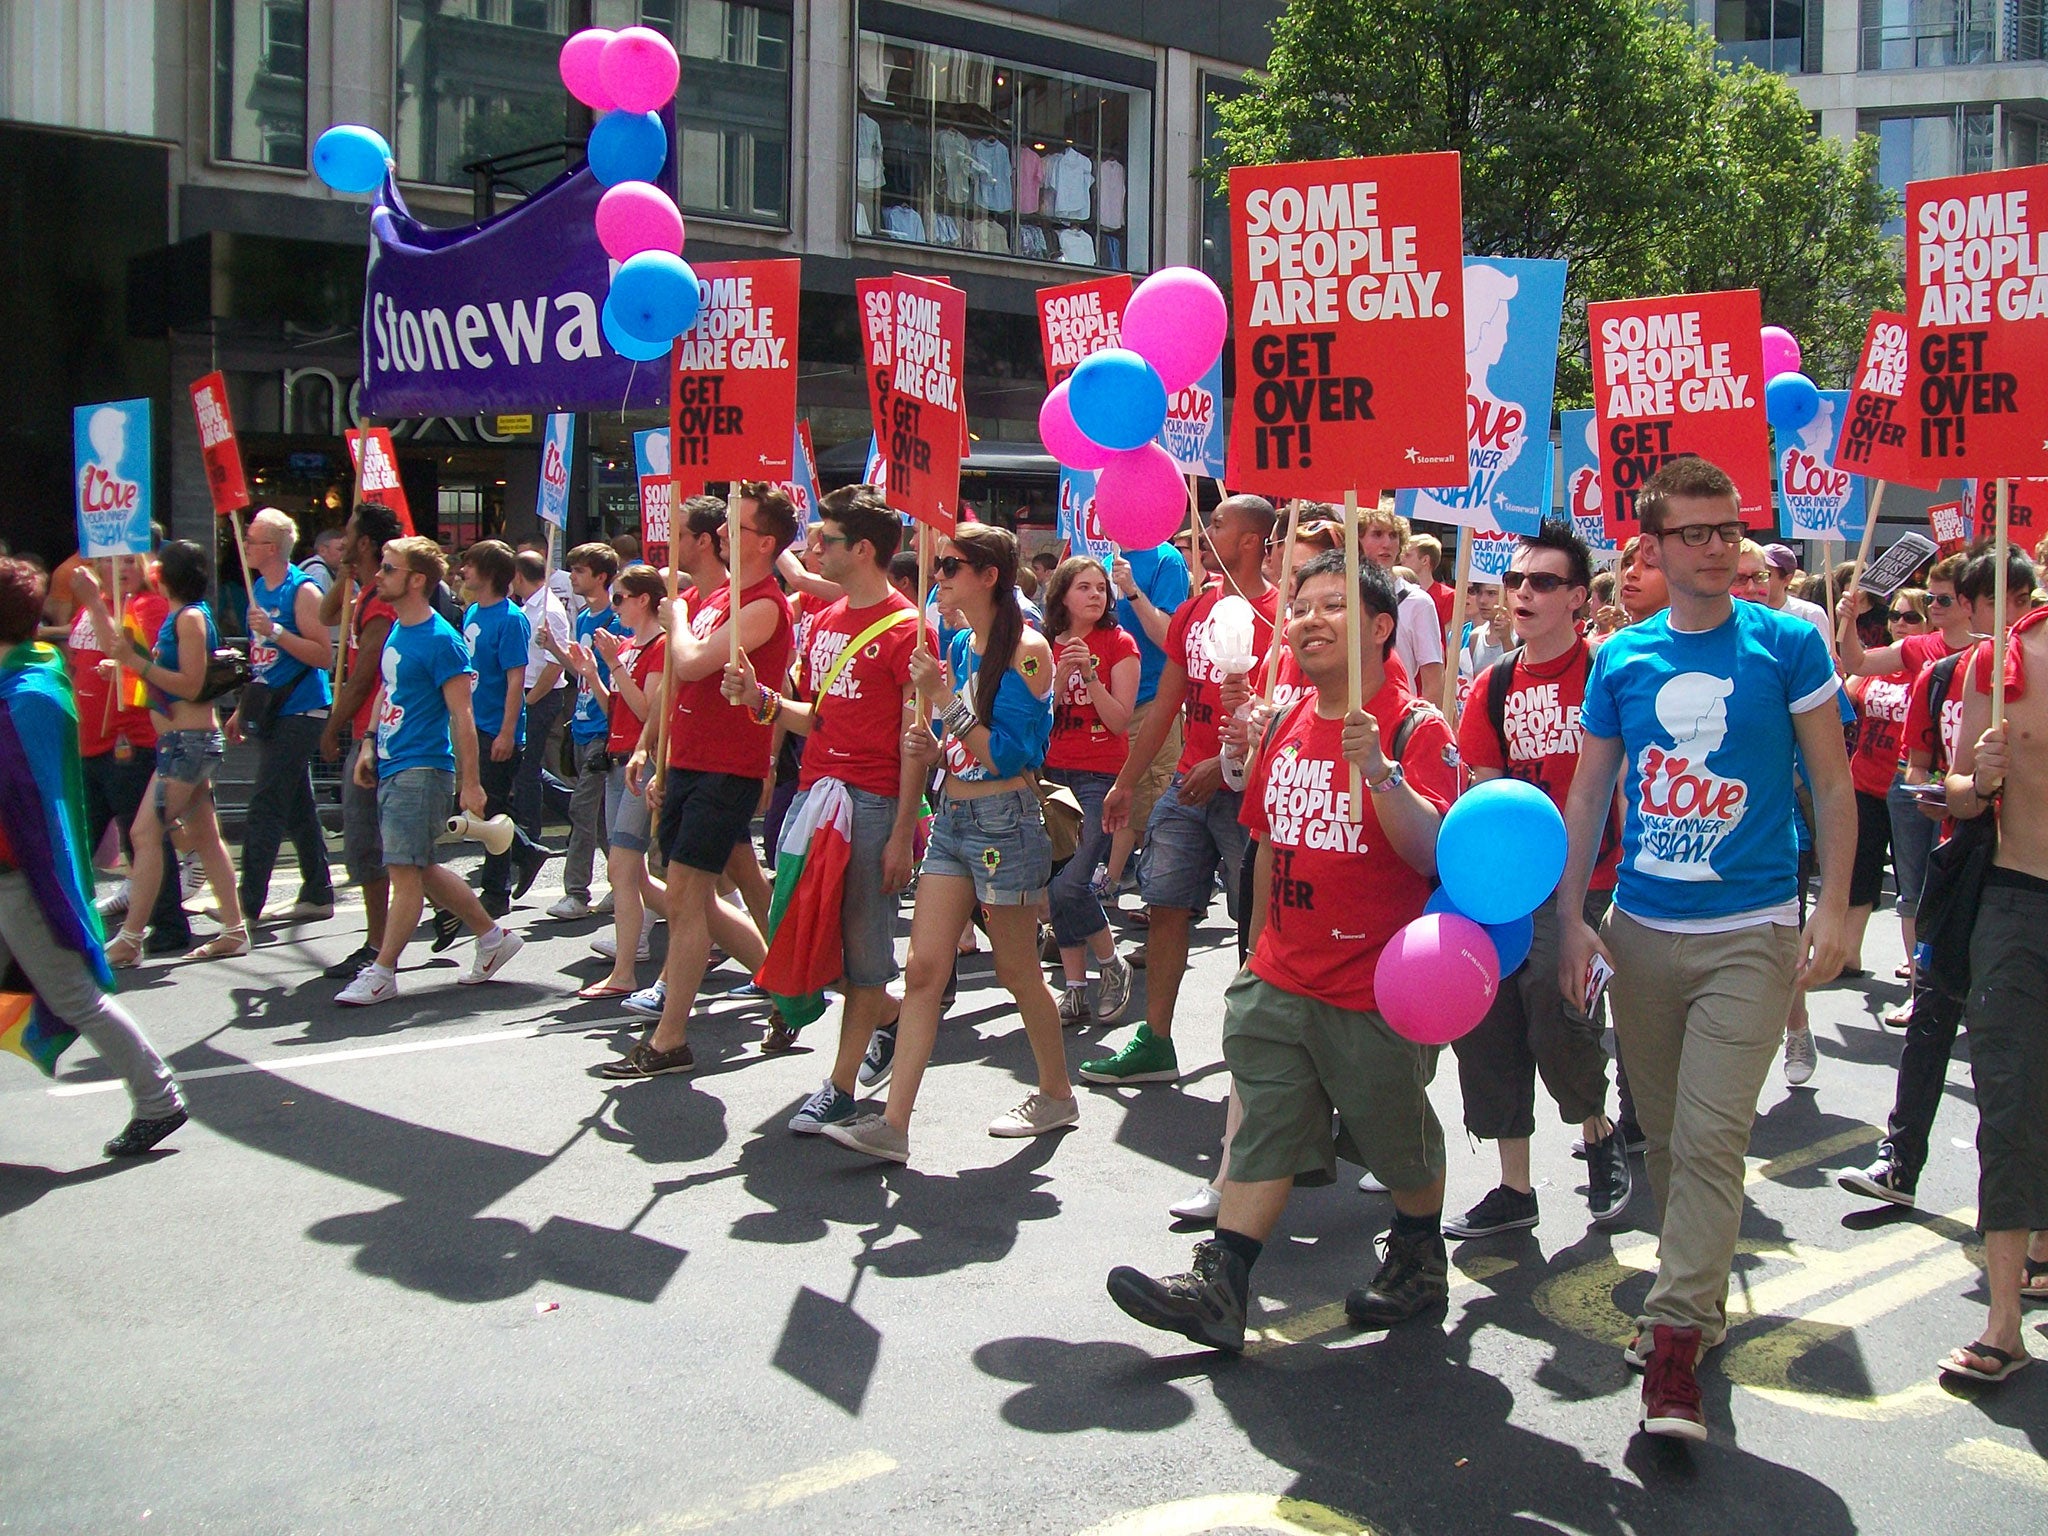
(1671, 1393)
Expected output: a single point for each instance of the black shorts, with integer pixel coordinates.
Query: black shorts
(2008, 1024)
(704, 816)
(1873, 848)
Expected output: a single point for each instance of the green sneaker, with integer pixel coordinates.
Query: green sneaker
(1145, 1058)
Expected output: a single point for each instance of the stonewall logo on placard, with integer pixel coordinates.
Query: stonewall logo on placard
(111, 449)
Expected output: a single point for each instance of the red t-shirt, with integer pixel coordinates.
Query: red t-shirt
(1080, 741)
(369, 607)
(1921, 651)
(1881, 708)
(641, 663)
(1919, 733)
(708, 735)
(857, 730)
(1443, 594)
(1339, 891)
(1540, 719)
(142, 617)
(1186, 643)
(804, 614)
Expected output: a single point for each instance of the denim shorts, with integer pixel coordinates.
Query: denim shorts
(628, 823)
(998, 842)
(867, 913)
(1184, 845)
(413, 807)
(362, 847)
(1912, 840)
(188, 757)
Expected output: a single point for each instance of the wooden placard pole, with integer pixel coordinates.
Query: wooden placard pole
(2000, 542)
(120, 627)
(1354, 638)
(1862, 556)
(242, 549)
(1197, 579)
(732, 569)
(924, 579)
(1454, 644)
(668, 644)
(1280, 607)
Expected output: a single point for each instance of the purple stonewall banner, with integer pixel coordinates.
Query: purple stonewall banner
(500, 316)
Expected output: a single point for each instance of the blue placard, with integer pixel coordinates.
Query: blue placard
(557, 446)
(1815, 499)
(802, 483)
(1513, 312)
(1193, 433)
(1582, 495)
(110, 480)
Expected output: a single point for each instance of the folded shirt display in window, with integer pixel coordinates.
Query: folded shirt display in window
(1112, 193)
(1066, 179)
(1077, 246)
(867, 158)
(900, 221)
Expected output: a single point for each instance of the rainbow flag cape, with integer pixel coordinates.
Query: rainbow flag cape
(806, 952)
(42, 811)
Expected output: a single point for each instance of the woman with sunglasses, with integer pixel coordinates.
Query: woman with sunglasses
(992, 697)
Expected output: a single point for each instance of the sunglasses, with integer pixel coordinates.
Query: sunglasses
(950, 566)
(1544, 582)
(1940, 600)
(1697, 535)
(1904, 616)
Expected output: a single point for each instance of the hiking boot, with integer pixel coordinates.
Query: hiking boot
(872, 1136)
(1037, 1115)
(1074, 1009)
(880, 1057)
(1671, 1392)
(1609, 1182)
(1206, 1304)
(140, 1135)
(1501, 1210)
(828, 1106)
(1883, 1180)
(1414, 1278)
(1113, 989)
(1800, 1059)
(1145, 1058)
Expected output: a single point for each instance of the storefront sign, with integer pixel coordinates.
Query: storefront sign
(224, 479)
(1348, 280)
(927, 406)
(732, 411)
(513, 426)
(111, 473)
(376, 463)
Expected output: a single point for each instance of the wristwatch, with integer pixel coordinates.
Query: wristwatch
(1391, 782)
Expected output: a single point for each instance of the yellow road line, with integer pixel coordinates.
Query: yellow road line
(1233, 1512)
(1301, 1327)
(1806, 1157)
(787, 1489)
(2011, 1462)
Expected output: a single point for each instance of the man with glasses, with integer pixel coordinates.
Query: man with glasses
(1705, 706)
(1521, 721)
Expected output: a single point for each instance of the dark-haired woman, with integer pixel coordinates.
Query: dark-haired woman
(1095, 689)
(993, 700)
(188, 750)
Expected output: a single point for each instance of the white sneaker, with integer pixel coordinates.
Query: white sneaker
(489, 960)
(1371, 1185)
(191, 876)
(373, 984)
(569, 908)
(1800, 1059)
(1202, 1205)
(607, 945)
(602, 907)
(114, 905)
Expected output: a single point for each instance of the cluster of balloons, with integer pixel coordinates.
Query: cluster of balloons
(629, 76)
(1106, 415)
(351, 158)
(1499, 854)
(1791, 399)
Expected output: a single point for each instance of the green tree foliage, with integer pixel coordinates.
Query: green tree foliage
(1604, 132)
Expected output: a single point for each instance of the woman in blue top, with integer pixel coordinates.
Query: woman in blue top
(993, 701)
(189, 746)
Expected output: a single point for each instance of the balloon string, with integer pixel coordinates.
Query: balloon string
(632, 374)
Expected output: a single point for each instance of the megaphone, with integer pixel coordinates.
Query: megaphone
(495, 834)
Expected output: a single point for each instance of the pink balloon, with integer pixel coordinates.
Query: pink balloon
(1141, 498)
(639, 69)
(636, 216)
(1436, 978)
(1177, 322)
(1781, 352)
(1065, 441)
(580, 56)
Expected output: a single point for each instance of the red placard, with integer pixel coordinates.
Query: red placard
(732, 395)
(1977, 297)
(1680, 375)
(1349, 289)
(224, 478)
(1076, 319)
(875, 298)
(376, 462)
(2026, 510)
(1878, 439)
(926, 402)
(657, 495)
(1950, 521)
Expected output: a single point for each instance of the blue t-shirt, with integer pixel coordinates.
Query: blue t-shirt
(589, 722)
(166, 654)
(498, 637)
(1019, 731)
(306, 687)
(1706, 723)
(412, 712)
(1162, 575)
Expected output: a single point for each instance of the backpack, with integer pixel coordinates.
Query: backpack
(1941, 681)
(448, 605)
(1957, 868)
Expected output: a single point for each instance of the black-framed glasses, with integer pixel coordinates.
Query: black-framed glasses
(1545, 582)
(1697, 535)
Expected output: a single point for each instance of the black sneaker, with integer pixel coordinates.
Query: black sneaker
(141, 1135)
(1414, 1278)
(497, 903)
(447, 929)
(1632, 1135)
(348, 965)
(529, 871)
(1207, 1304)
(1503, 1210)
(1882, 1180)
(1609, 1183)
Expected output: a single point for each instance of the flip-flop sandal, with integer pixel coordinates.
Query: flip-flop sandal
(2005, 1364)
(2034, 1283)
(598, 992)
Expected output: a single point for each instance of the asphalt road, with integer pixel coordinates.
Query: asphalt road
(414, 1268)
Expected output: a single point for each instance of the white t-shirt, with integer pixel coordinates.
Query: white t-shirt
(1417, 640)
(544, 608)
(1814, 614)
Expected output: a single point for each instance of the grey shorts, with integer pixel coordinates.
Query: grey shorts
(628, 822)
(998, 842)
(187, 757)
(867, 913)
(413, 807)
(362, 843)
(1186, 844)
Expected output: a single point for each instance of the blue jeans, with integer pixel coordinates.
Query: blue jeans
(998, 842)
(1184, 846)
(1077, 914)
(1912, 840)
(281, 805)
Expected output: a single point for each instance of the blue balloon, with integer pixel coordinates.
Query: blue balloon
(1117, 399)
(351, 158)
(1790, 401)
(625, 343)
(1500, 851)
(1511, 940)
(654, 297)
(627, 146)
